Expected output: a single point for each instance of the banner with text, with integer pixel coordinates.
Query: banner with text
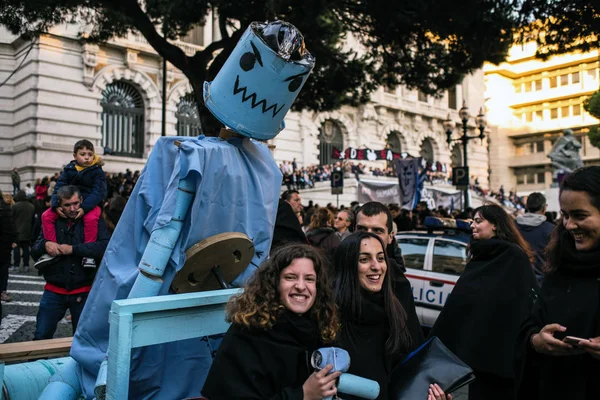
(364, 154)
(436, 198)
(383, 192)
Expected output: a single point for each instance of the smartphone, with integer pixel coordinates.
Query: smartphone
(573, 340)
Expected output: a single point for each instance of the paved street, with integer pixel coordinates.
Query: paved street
(18, 316)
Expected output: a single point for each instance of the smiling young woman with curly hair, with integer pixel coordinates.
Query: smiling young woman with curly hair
(285, 313)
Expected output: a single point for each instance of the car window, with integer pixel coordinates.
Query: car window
(413, 251)
(449, 257)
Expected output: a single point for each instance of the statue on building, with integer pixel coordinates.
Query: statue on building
(565, 153)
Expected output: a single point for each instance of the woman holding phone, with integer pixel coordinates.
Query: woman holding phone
(482, 317)
(561, 339)
(373, 322)
(285, 313)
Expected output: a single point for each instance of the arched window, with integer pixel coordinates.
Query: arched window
(427, 151)
(456, 157)
(394, 144)
(330, 136)
(188, 123)
(122, 120)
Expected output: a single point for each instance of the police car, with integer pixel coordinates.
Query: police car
(434, 259)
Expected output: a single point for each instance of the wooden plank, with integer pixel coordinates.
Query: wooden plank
(172, 301)
(35, 349)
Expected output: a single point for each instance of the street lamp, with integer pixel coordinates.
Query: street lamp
(449, 125)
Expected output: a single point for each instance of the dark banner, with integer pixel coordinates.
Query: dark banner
(408, 175)
(365, 154)
(383, 192)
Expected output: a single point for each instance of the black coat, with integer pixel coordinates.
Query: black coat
(67, 271)
(8, 234)
(569, 297)
(259, 364)
(287, 227)
(91, 183)
(324, 239)
(403, 292)
(481, 319)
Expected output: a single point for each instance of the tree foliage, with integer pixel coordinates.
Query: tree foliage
(426, 44)
(560, 26)
(592, 105)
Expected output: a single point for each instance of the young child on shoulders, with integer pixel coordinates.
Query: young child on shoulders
(85, 172)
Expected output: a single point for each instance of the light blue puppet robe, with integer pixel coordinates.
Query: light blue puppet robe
(237, 190)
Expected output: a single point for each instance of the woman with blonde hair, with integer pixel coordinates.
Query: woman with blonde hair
(285, 313)
(321, 233)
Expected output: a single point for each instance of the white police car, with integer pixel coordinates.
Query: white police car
(434, 260)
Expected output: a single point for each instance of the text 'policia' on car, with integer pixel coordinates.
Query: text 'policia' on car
(434, 259)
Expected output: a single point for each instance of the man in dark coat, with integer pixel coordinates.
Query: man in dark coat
(536, 230)
(287, 227)
(68, 279)
(23, 212)
(7, 239)
(376, 218)
(16, 181)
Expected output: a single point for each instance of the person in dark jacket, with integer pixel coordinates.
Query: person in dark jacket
(287, 227)
(481, 319)
(16, 181)
(536, 230)
(85, 172)
(23, 213)
(374, 327)
(7, 243)
(569, 301)
(285, 313)
(68, 279)
(321, 233)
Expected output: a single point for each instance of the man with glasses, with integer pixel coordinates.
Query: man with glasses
(342, 224)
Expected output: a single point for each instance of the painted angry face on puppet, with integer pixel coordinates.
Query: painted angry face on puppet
(260, 80)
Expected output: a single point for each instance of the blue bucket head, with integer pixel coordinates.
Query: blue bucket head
(260, 80)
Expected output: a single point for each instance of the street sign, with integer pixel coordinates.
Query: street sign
(337, 179)
(460, 176)
(337, 182)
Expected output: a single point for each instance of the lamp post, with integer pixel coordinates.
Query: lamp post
(449, 126)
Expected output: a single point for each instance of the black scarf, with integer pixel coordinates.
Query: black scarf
(364, 337)
(264, 364)
(577, 262)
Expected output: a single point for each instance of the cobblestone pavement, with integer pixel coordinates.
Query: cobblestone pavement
(18, 315)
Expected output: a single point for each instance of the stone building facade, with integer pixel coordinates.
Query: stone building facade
(530, 103)
(62, 90)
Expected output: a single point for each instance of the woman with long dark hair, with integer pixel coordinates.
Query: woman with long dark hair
(569, 302)
(285, 313)
(373, 321)
(481, 319)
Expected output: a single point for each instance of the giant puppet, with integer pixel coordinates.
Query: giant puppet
(186, 193)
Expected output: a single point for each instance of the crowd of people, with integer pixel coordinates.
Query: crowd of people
(335, 277)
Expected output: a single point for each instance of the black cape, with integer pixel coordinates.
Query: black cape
(570, 297)
(482, 317)
(287, 227)
(259, 364)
